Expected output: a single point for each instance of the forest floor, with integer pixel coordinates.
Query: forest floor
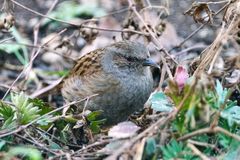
(194, 112)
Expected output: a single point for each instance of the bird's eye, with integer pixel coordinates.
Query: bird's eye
(131, 59)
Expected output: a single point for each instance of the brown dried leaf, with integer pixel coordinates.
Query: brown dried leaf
(200, 12)
(88, 33)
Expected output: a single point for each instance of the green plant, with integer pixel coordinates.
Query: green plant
(23, 111)
(19, 50)
(68, 10)
(176, 150)
(25, 152)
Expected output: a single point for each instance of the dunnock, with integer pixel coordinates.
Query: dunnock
(118, 73)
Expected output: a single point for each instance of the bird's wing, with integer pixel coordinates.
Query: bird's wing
(79, 87)
(87, 78)
(88, 64)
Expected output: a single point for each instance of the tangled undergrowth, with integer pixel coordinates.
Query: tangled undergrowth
(194, 113)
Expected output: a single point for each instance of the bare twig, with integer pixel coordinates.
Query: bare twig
(46, 89)
(209, 130)
(41, 146)
(211, 2)
(116, 30)
(200, 27)
(202, 144)
(82, 23)
(155, 40)
(45, 48)
(210, 54)
(80, 151)
(42, 15)
(7, 39)
(197, 152)
(29, 64)
(35, 33)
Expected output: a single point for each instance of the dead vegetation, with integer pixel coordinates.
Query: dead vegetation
(193, 114)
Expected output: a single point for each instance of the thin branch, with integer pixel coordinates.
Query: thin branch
(41, 146)
(197, 152)
(202, 144)
(29, 64)
(7, 39)
(116, 30)
(133, 8)
(82, 23)
(42, 15)
(199, 28)
(208, 130)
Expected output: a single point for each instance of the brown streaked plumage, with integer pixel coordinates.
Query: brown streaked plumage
(118, 73)
(84, 63)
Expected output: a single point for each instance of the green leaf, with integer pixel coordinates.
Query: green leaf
(9, 123)
(160, 102)
(94, 115)
(45, 108)
(150, 147)
(233, 152)
(95, 128)
(54, 145)
(17, 49)
(31, 153)
(45, 120)
(26, 112)
(221, 94)
(6, 111)
(95, 125)
(65, 133)
(232, 115)
(57, 73)
(68, 10)
(176, 150)
(2, 144)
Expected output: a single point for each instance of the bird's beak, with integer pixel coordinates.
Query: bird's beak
(149, 62)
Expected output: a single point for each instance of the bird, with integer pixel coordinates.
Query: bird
(118, 74)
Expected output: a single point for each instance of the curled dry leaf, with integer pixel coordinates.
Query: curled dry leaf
(88, 33)
(200, 12)
(234, 78)
(7, 22)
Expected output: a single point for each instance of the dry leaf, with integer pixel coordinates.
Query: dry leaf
(123, 130)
